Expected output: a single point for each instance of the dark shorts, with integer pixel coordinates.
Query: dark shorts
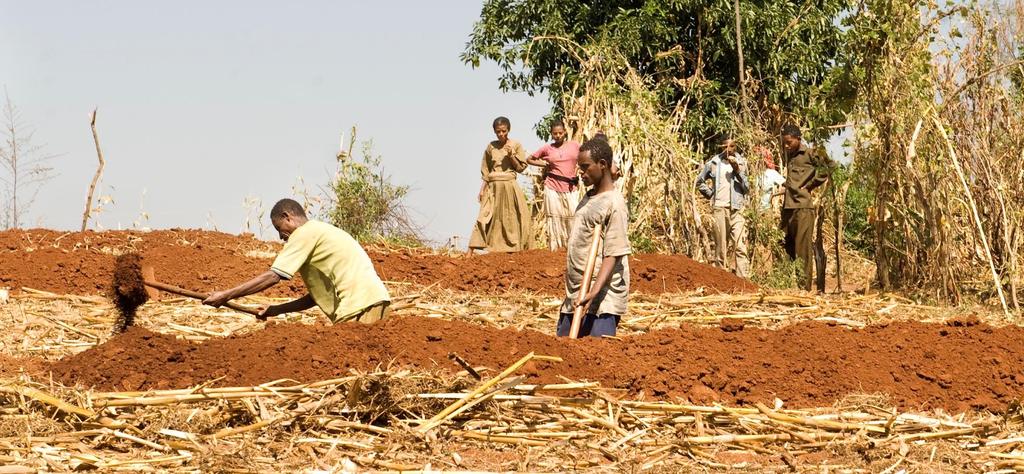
(593, 325)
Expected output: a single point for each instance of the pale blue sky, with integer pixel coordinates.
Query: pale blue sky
(202, 104)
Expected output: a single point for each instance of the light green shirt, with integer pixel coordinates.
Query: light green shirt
(337, 271)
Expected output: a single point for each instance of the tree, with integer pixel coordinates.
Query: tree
(24, 166)
(686, 48)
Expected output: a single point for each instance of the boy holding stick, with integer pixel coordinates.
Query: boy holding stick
(599, 242)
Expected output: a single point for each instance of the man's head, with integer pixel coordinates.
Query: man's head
(286, 216)
(728, 147)
(558, 132)
(791, 137)
(595, 161)
(501, 127)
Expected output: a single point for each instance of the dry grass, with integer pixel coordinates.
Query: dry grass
(937, 135)
(400, 420)
(375, 420)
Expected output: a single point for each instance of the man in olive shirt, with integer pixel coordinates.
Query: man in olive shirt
(806, 169)
(337, 272)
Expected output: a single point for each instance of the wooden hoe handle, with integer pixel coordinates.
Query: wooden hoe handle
(588, 275)
(197, 295)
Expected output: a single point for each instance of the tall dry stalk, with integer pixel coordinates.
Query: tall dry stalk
(938, 131)
(658, 163)
(24, 169)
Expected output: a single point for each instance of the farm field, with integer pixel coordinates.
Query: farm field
(709, 371)
(796, 229)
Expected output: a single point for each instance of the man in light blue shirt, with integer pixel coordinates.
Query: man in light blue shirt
(727, 172)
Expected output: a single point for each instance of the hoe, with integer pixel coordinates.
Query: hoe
(134, 284)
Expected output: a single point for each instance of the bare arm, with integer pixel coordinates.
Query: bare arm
(292, 306)
(261, 282)
(604, 276)
(537, 162)
(485, 169)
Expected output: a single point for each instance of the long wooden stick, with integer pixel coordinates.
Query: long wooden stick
(588, 274)
(197, 295)
(95, 177)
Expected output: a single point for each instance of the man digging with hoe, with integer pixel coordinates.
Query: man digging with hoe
(337, 272)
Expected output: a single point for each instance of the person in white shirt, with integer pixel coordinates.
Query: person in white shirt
(771, 181)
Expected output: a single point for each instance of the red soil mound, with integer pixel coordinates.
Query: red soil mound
(13, 366)
(543, 271)
(956, 367)
(83, 262)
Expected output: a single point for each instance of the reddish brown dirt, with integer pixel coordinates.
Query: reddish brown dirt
(543, 271)
(128, 289)
(955, 367)
(12, 366)
(82, 263)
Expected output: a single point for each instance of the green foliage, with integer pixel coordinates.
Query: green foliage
(857, 232)
(686, 48)
(781, 275)
(771, 266)
(641, 242)
(366, 204)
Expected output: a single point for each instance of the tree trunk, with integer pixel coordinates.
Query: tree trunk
(95, 177)
(739, 52)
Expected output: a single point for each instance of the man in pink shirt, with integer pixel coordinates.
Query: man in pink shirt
(558, 159)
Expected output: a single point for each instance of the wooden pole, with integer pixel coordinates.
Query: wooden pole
(99, 171)
(197, 295)
(819, 250)
(588, 275)
(838, 208)
(739, 51)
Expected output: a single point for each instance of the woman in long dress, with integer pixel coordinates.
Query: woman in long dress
(503, 224)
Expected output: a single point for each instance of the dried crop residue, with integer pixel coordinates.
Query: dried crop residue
(127, 289)
(83, 262)
(543, 271)
(919, 365)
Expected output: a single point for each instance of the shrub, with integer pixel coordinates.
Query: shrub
(365, 203)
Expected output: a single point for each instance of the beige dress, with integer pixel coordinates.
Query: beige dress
(503, 224)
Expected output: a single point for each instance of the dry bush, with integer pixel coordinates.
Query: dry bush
(657, 162)
(938, 135)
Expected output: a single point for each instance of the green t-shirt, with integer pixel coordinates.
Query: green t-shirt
(337, 272)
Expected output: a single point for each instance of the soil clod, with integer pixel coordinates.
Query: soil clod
(731, 325)
(127, 290)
